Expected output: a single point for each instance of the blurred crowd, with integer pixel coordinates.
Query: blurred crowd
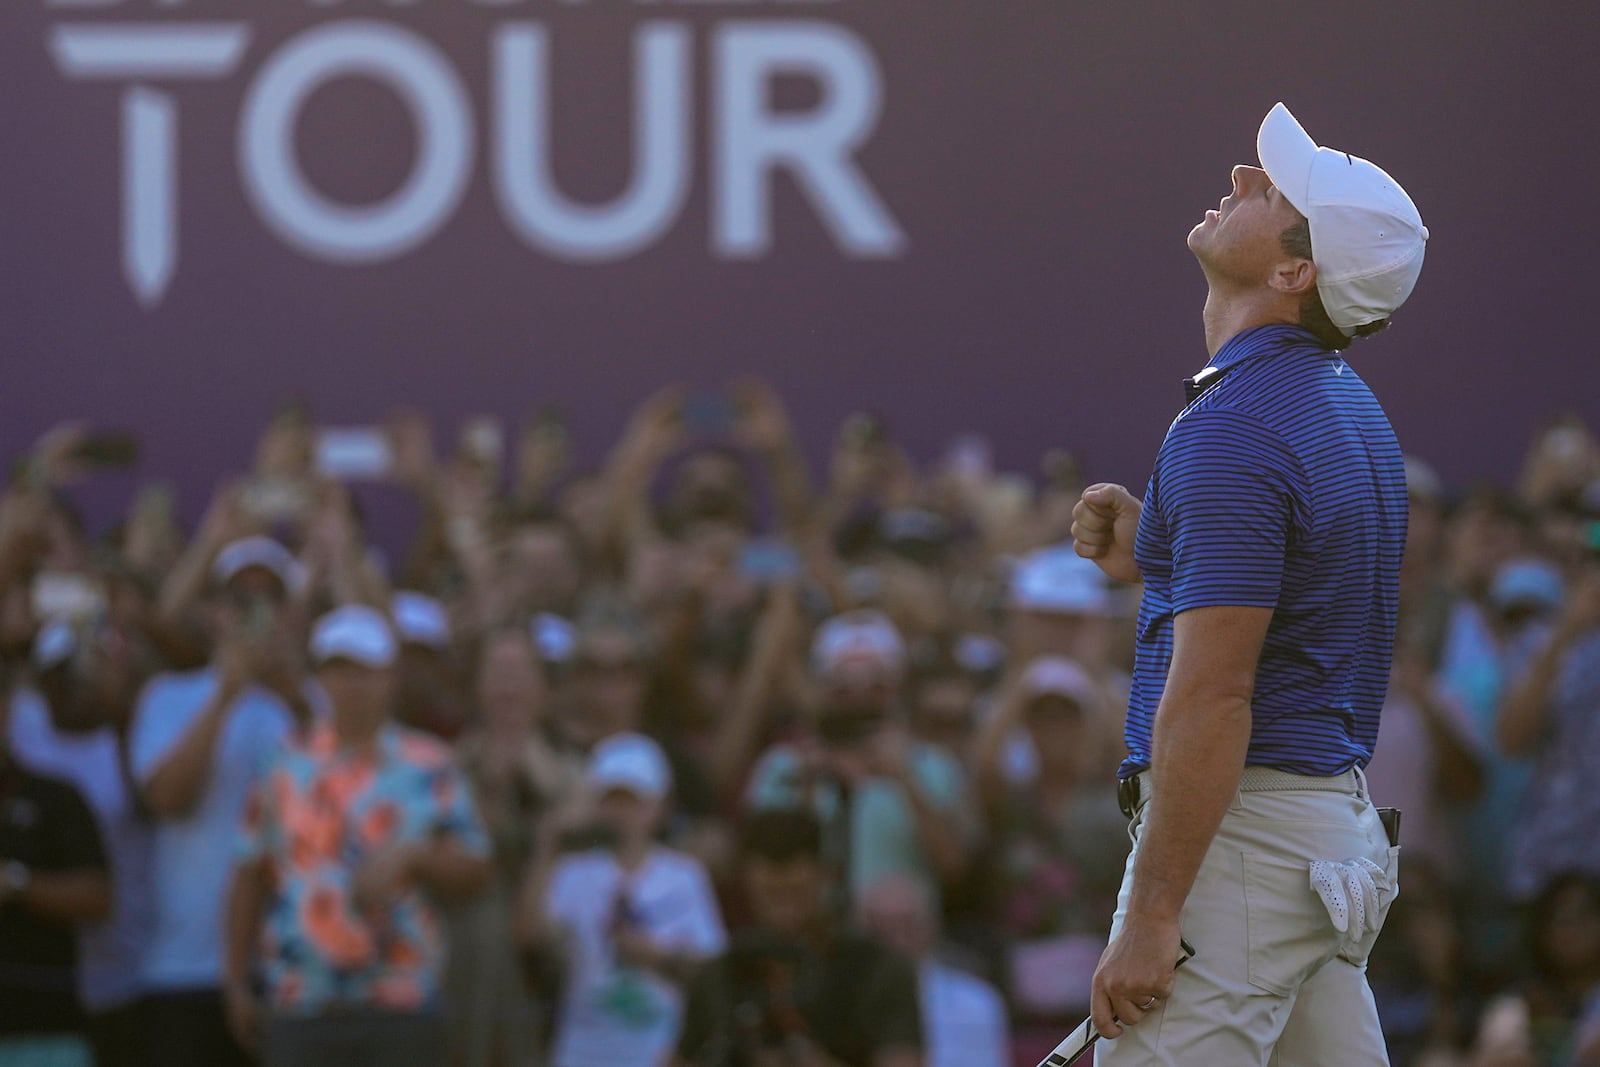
(692, 758)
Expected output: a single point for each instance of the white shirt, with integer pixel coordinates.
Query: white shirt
(612, 1015)
(963, 1019)
(194, 853)
(110, 952)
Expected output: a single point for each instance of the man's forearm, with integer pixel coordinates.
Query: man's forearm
(68, 896)
(246, 896)
(175, 786)
(449, 871)
(1198, 753)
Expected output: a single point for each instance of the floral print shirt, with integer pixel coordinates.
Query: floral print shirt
(322, 811)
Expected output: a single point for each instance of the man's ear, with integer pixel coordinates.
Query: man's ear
(1294, 276)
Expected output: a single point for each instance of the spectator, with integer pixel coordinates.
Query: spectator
(891, 805)
(200, 741)
(1061, 605)
(428, 693)
(1057, 847)
(1418, 973)
(1552, 711)
(347, 841)
(52, 879)
(519, 779)
(1554, 1020)
(74, 727)
(963, 1017)
(630, 919)
(796, 989)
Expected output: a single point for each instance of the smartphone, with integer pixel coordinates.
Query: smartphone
(275, 500)
(354, 454)
(768, 560)
(108, 448)
(157, 498)
(549, 423)
(708, 413)
(67, 596)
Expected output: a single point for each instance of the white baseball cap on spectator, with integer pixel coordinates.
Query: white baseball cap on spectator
(1062, 677)
(1367, 237)
(858, 646)
(632, 762)
(357, 633)
(420, 620)
(56, 643)
(264, 552)
(1527, 583)
(1060, 582)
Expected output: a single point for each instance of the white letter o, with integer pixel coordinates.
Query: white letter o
(424, 81)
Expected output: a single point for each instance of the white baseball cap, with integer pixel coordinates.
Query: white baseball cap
(421, 620)
(354, 632)
(1062, 677)
(858, 644)
(632, 762)
(1367, 237)
(1061, 582)
(264, 552)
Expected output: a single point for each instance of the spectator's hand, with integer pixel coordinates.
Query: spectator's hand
(1583, 604)
(244, 1015)
(1103, 527)
(658, 426)
(280, 670)
(287, 447)
(636, 948)
(411, 442)
(24, 527)
(226, 518)
(383, 877)
(55, 454)
(542, 454)
(889, 753)
(237, 664)
(760, 422)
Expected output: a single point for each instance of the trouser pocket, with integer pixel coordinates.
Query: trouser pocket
(1356, 948)
(1287, 927)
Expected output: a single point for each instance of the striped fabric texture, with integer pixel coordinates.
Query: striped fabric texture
(1280, 486)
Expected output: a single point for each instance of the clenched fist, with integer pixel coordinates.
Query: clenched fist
(1104, 522)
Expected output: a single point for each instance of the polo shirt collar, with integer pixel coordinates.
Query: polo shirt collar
(1245, 346)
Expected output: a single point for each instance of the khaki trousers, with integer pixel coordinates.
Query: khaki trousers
(1269, 985)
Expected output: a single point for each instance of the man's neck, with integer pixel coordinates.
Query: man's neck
(1229, 313)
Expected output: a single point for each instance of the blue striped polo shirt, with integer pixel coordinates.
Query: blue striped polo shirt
(1281, 486)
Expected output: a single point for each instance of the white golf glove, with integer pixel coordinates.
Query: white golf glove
(1355, 892)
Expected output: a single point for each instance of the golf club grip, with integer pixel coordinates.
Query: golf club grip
(1083, 1038)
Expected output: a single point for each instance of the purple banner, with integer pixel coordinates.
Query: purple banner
(963, 216)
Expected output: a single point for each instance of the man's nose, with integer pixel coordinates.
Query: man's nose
(1245, 175)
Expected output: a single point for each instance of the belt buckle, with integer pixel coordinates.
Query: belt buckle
(1128, 795)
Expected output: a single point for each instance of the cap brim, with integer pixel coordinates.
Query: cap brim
(1287, 152)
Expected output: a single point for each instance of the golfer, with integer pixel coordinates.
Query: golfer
(1268, 543)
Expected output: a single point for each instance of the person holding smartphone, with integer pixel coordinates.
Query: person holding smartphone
(630, 919)
(199, 742)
